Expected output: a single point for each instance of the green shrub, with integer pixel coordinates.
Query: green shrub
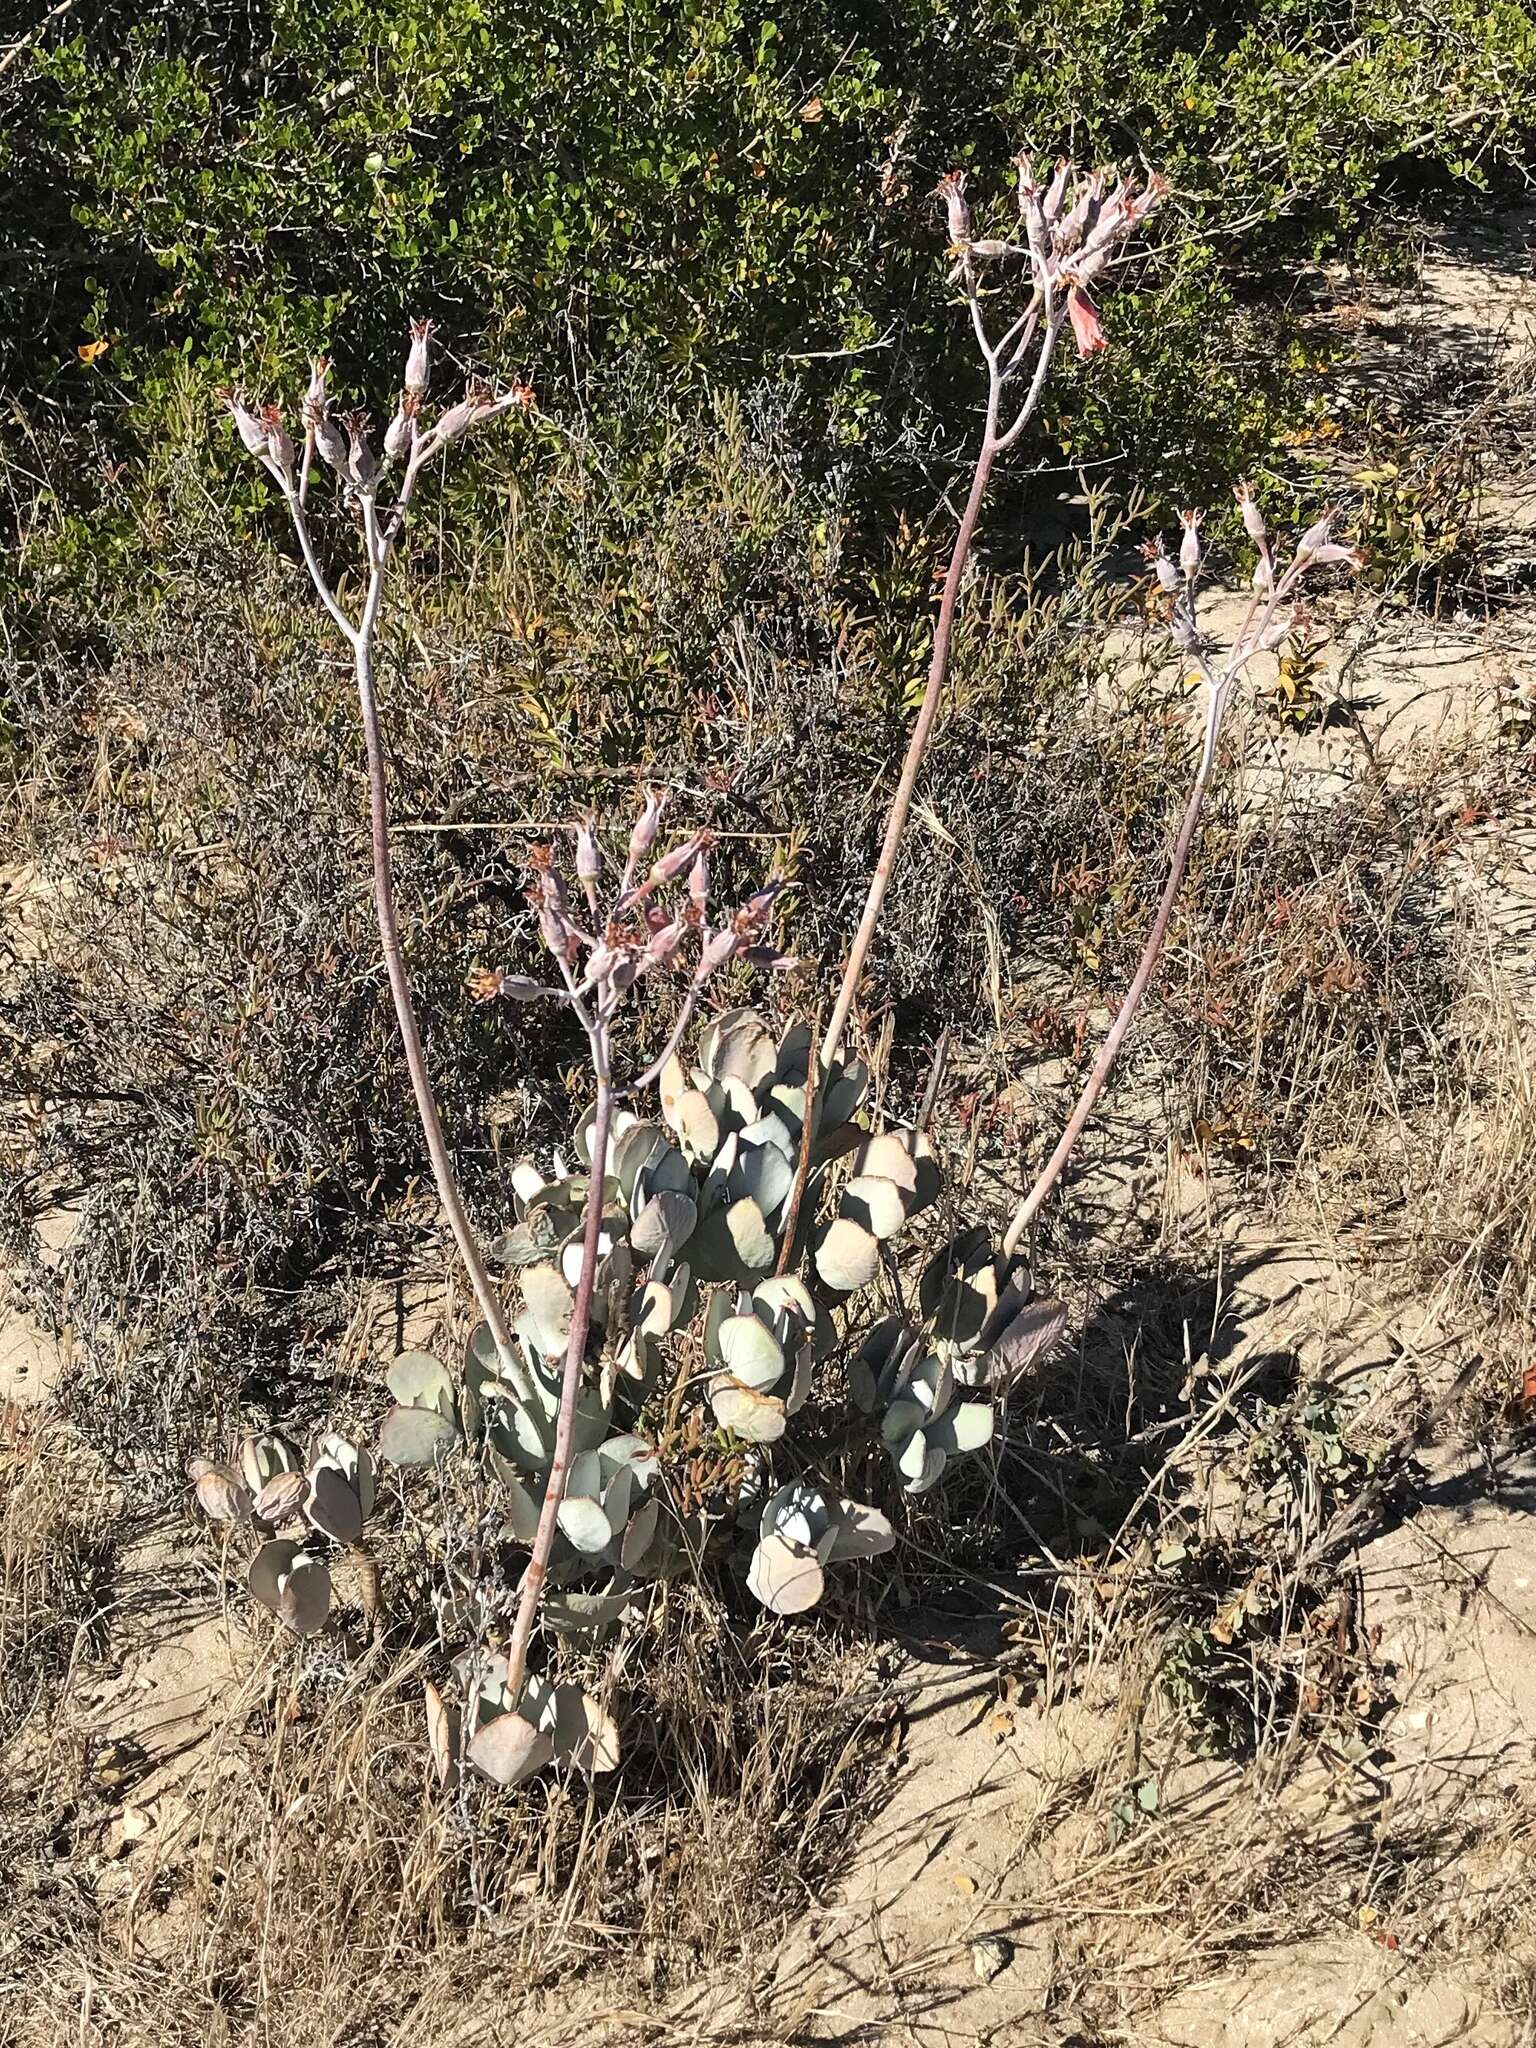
(632, 203)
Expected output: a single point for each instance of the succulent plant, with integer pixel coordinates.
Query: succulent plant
(934, 1384)
(507, 1742)
(333, 1496)
(801, 1529)
(730, 1239)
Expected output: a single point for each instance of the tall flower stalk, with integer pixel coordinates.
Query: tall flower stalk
(1060, 249)
(602, 945)
(380, 494)
(1269, 621)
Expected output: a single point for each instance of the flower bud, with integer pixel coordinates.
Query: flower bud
(1166, 574)
(698, 883)
(752, 917)
(1263, 574)
(416, 366)
(1181, 628)
(361, 467)
(951, 189)
(1189, 546)
(1086, 330)
(765, 957)
(557, 933)
(1253, 518)
(589, 864)
(643, 838)
(1056, 191)
(519, 988)
(252, 432)
(1275, 635)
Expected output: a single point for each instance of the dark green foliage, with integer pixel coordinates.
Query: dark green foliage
(631, 203)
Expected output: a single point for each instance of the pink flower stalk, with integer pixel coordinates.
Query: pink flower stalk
(1086, 330)
(416, 361)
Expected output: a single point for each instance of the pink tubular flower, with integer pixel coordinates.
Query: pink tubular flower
(317, 398)
(1086, 330)
(361, 467)
(1189, 546)
(1316, 536)
(672, 864)
(643, 838)
(279, 441)
(698, 883)
(253, 434)
(1333, 551)
(1253, 518)
(718, 948)
(951, 189)
(400, 435)
(416, 365)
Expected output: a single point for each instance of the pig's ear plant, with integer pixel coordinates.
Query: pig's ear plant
(695, 1275)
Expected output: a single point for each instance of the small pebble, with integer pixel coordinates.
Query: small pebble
(991, 1956)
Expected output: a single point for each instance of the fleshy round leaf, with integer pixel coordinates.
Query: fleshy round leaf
(889, 1157)
(756, 1418)
(304, 1596)
(221, 1496)
(509, 1749)
(665, 1223)
(640, 1534)
(1031, 1336)
(417, 1380)
(749, 1351)
(697, 1126)
(549, 1304)
(333, 1506)
(416, 1436)
(583, 1523)
(749, 1233)
(848, 1256)
(269, 1567)
(595, 1750)
(966, 1427)
(878, 1204)
(282, 1497)
(861, 1532)
(786, 1580)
